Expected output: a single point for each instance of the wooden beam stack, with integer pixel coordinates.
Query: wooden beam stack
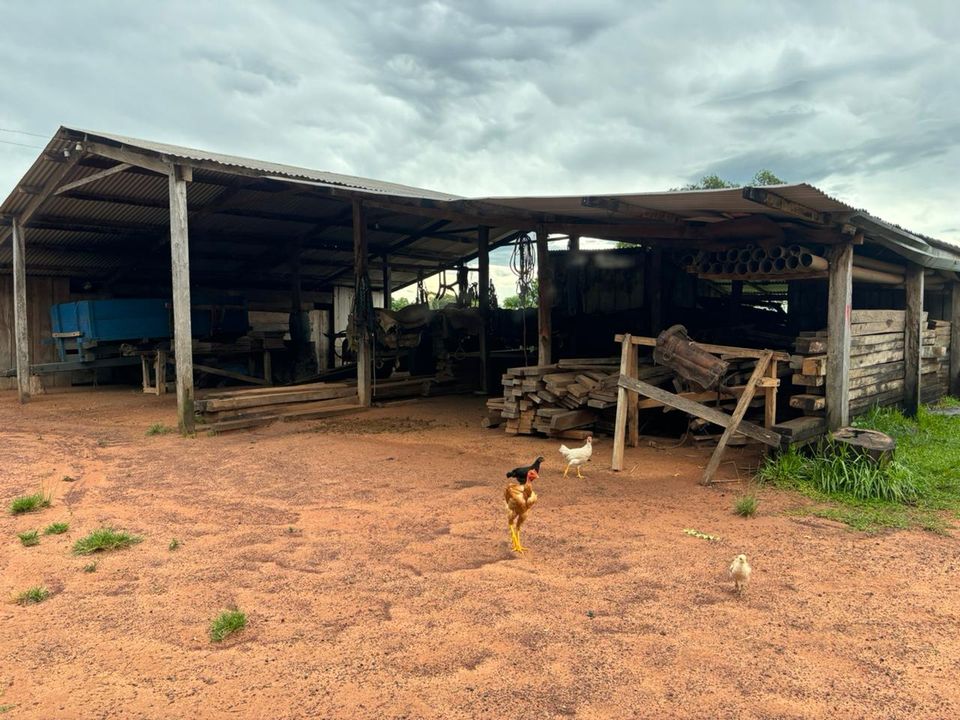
(876, 363)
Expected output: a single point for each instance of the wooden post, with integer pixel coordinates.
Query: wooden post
(387, 289)
(544, 300)
(20, 331)
(483, 256)
(655, 290)
(839, 301)
(912, 334)
(180, 272)
(770, 397)
(364, 367)
(620, 428)
(633, 399)
(955, 340)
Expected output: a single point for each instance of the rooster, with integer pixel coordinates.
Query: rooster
(740, 572)
(576, 457)
(520, 473)
(518, 499)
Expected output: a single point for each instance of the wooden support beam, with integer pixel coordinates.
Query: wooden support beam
(119, 168)
(839, 334)
(364, 366)
(770, 396)
(955, 339)
(912, 339)
(131, 157)
(37, 200)
(387, 283)
(620, 425)
(655, 289)
(483, 283)
(741, 409)
(544, 300)
(180, 272)
(633, 400)
(728, 351)
(778, 202)
(690, 407)
(20, 330)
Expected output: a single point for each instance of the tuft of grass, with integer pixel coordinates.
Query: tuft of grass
(920, 487)
(746, 506)
(159, 429)
(29, 538)
(227, 623)
(90, 567)
(174, 544)
(29, 503)
(33, 596)
(104, 539)
(57, 528)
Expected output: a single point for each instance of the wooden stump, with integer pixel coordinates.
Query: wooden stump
(873, 444)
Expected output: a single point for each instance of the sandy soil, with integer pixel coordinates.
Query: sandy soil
(372, 559)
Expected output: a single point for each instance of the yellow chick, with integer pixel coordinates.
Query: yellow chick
(740, 572)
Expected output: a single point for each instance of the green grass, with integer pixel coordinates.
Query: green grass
(104, 539)
(159, 429)
(90, 567)
(57, 528)
(746, 506)
(919, 488)
(29, 503)
(33, 596)
(174, 544)
(227, 623)
(29, 538)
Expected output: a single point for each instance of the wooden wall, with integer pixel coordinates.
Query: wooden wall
(42, 292)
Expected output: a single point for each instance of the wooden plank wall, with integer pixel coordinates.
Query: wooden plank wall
(42, 292)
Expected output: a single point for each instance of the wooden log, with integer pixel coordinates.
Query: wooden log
(694, 408)
(911, 338)
(873, 444)
(839, 335)
(620, 429)
(180, 273)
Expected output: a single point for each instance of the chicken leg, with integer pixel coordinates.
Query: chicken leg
(568, 470)
(578, 473)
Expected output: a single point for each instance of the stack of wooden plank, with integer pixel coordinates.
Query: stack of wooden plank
(249, 407)
(876, 362)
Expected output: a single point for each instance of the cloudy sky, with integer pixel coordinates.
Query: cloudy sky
(490, 97)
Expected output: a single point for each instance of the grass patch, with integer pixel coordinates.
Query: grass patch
(29, 503)
(746, 506)
(104, 539)
(33, 596)
(227, 623)
(29, 538)
(159, 429)
(90, 567)
(174, 544)
(920, 488)
(56, 528)
(702, 535)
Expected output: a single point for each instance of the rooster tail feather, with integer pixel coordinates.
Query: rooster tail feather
(564, 449)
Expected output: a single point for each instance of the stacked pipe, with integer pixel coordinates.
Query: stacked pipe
(785, 262)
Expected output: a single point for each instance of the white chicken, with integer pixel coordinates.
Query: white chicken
(740, 572)
(576, 457)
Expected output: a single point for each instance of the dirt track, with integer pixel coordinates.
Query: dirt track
(396, 594)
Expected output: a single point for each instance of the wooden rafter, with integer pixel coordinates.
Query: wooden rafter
(119, 168)
(772, 200)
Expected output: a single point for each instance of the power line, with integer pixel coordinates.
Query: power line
(9, 142)
(22, 132)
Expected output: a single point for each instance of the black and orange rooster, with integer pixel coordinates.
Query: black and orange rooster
(519, 498)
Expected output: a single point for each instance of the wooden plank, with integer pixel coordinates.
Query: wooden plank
(694, 408)
(21, 336)
(180, 272)
(839, 299)
(119, 168)
(954, 385)
(758, 372)
(911, 338)
(572, 419)
(483, 283)
(544, 300)
(808, 403)
(313, 414)
(770, 396)
(261, 399)
(364, 365)
(620, 427)
(800, 427)
(727, 350)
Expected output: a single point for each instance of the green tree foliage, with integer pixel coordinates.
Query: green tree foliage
(715, 182)
(529, 299)
(766, 177)
(398, 303)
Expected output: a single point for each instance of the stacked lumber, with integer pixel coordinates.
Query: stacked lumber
(249, 407)
(876, 362)
(567, 395)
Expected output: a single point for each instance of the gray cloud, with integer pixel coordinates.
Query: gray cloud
(497, 97)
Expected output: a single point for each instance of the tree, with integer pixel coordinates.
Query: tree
(398, 303)
(766, 177)
(715, 182)
(528, 300)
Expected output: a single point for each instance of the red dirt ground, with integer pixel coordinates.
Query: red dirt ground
(396, 594)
